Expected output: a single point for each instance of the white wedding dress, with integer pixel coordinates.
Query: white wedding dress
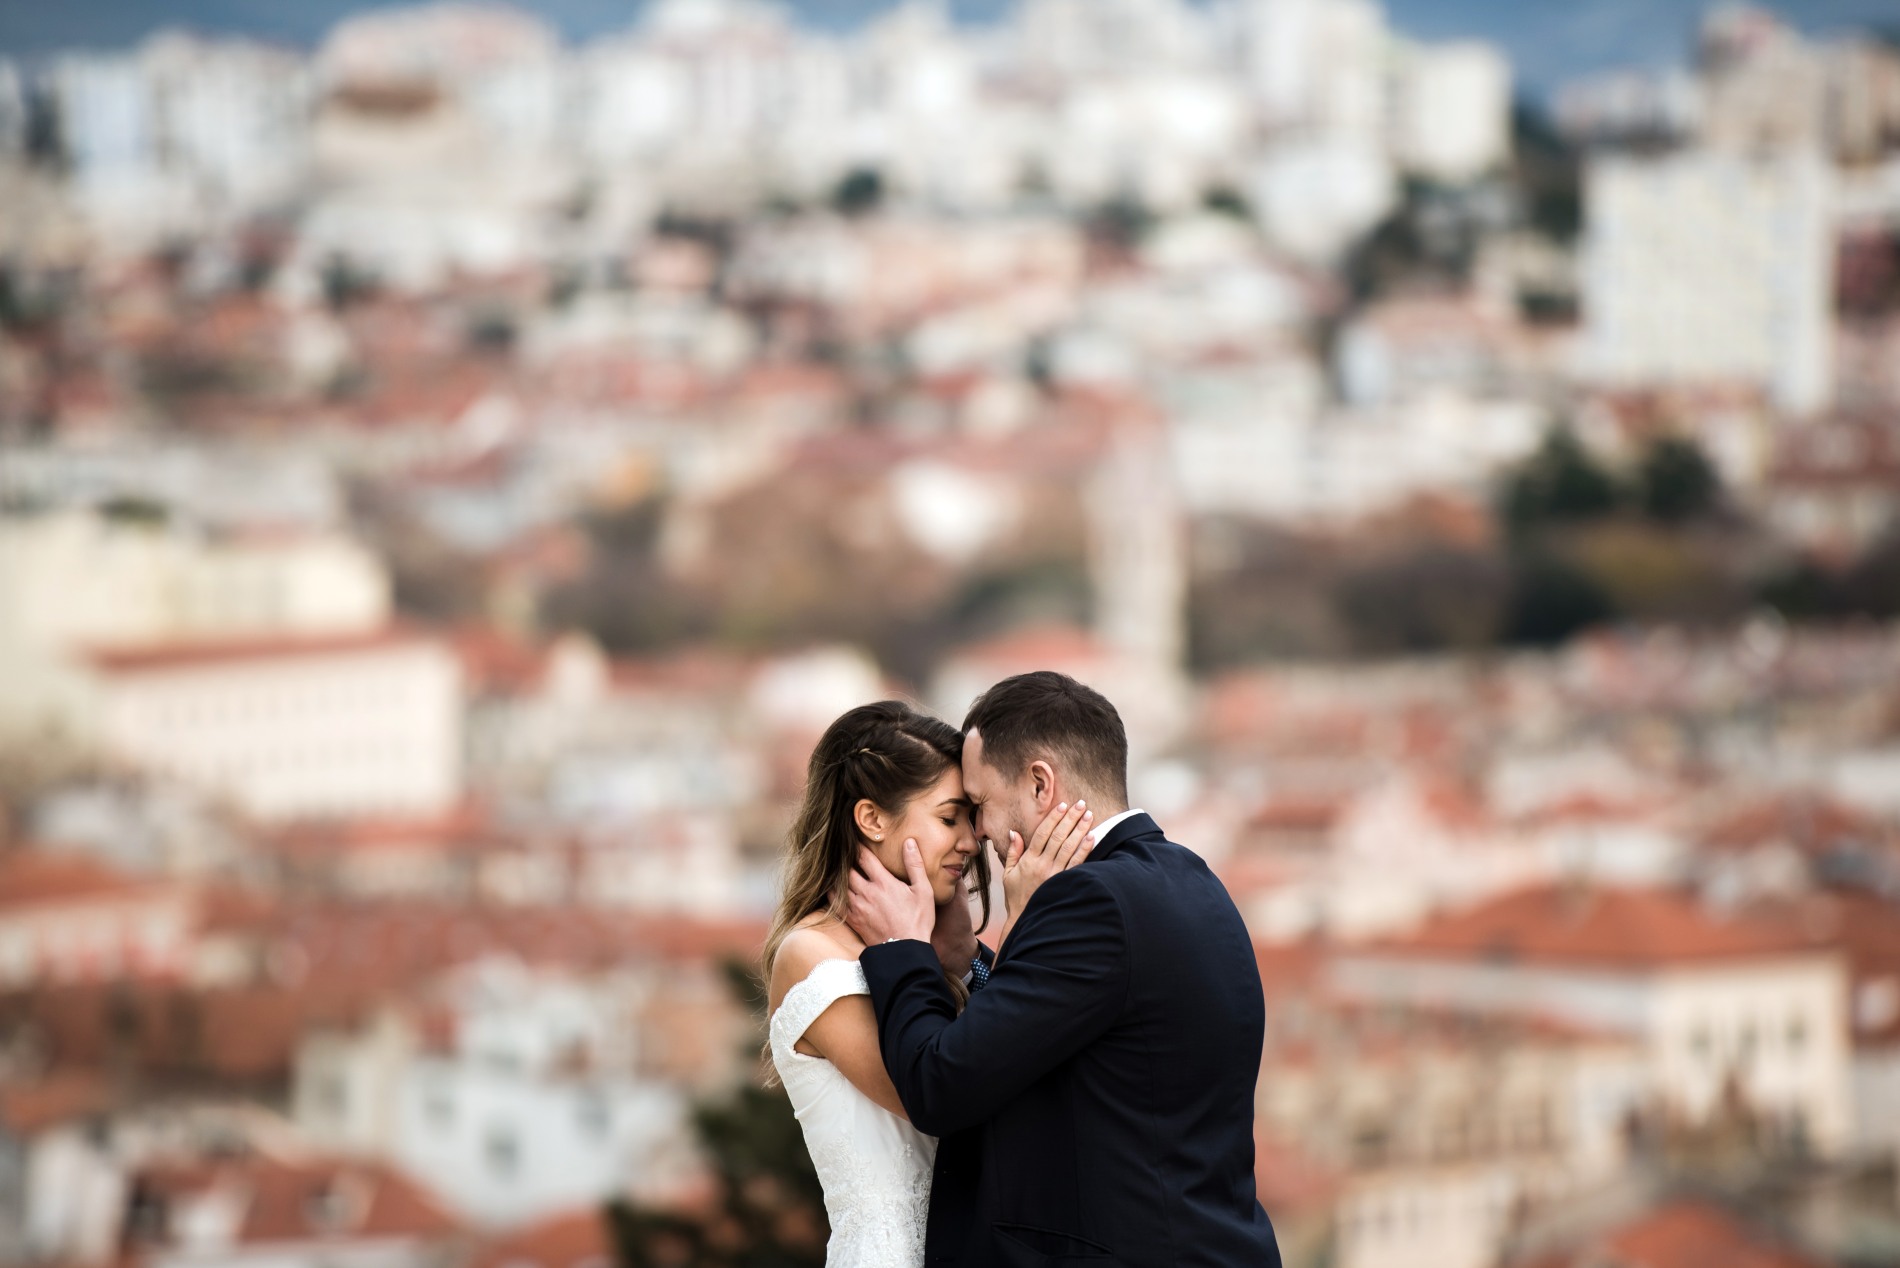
(875, 1167)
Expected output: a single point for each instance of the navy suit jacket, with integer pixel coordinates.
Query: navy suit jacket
(1094, 1101)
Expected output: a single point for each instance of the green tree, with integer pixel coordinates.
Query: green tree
(768, 1206)
(1676, 481)
(1559, 484)
(1433, 598)
(1225, 200)
(860, 192)
(1552, 599)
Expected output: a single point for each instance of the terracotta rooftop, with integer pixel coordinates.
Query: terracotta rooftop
(1610, 927)
(574, 1239)
(1683, 1234)
(307, 1200)
(182, 655)
(31, 878)
(1807, 823)
(29, 1108)
(1041, 645)
(1288, 1181)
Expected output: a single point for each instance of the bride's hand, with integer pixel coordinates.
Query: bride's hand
(1059, 842)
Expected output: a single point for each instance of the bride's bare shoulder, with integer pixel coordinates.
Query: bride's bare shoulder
(813, 941)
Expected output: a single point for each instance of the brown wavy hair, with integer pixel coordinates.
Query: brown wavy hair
(888, 753)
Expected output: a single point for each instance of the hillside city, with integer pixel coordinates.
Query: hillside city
(450, 476)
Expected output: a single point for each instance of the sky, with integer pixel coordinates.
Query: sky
(1548, 41)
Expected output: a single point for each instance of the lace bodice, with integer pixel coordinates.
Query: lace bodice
(875, 1167)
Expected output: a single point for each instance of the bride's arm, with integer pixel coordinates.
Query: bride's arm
(845, 1034)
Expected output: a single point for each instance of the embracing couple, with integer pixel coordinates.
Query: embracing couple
(1082, 1096)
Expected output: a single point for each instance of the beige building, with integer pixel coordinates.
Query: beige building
(78, 579)
(287, 727)
(1717, 1007)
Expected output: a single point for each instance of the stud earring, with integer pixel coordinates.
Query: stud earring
(878, 837)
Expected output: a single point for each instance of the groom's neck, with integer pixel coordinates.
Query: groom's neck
(1102, 807)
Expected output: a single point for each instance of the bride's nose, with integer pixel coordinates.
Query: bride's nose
(966, 842)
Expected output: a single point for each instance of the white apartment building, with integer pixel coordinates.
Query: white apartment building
(1451, 110)
(286, 727)
(179, 129)
(1711, 1003)
(1317, 66)
(517, 1093)
(1705, 267)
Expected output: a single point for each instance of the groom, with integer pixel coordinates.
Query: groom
(1095, 1097)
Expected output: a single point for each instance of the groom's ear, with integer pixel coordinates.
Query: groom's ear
(1043, 785)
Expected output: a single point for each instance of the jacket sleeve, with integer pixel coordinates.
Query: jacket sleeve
(1063, 984)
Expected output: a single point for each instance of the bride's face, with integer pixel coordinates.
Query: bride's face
(938, 819)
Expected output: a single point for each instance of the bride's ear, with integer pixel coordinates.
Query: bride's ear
(869, 820)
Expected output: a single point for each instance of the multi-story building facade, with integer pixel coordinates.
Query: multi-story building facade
(1709, 267)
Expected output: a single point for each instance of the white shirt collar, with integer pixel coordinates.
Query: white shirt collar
(1103, 828)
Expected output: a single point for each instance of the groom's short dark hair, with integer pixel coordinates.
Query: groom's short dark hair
(1046, 714)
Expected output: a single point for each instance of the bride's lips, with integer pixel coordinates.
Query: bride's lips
(955, 869)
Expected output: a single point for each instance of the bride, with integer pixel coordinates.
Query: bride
(883, 779)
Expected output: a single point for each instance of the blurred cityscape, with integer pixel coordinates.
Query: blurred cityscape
(449, 477)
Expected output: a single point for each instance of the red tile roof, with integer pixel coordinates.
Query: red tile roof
(32, 878)
(29, 1108)
(1685, 1233)
(1807, 823)
(1609, 927)
(464, 825)
(1288, 1181)
(1042, 646)
(574, 1239)
(179, 655)
(309, 1199)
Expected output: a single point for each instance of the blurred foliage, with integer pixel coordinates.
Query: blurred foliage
(1649, 571)
(859, 192)
(1812, 589)
(1257, 592)
(1225, 200)
(1676, 482)
(1432, 598)
(767, 1205)
(1119, 223)
(1551, 599)
(623, 595)
(1547, 172)
(1559, 484)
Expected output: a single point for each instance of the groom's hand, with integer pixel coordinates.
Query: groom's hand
(954, 938)
(884, 908)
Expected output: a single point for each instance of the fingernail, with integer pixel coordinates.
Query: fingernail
(1080, 804)
(1063, 806)
(1089, 815)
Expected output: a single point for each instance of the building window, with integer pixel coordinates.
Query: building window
(504, 1152)
(333, 1094)
(595, 1114)
(1700, 1044)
